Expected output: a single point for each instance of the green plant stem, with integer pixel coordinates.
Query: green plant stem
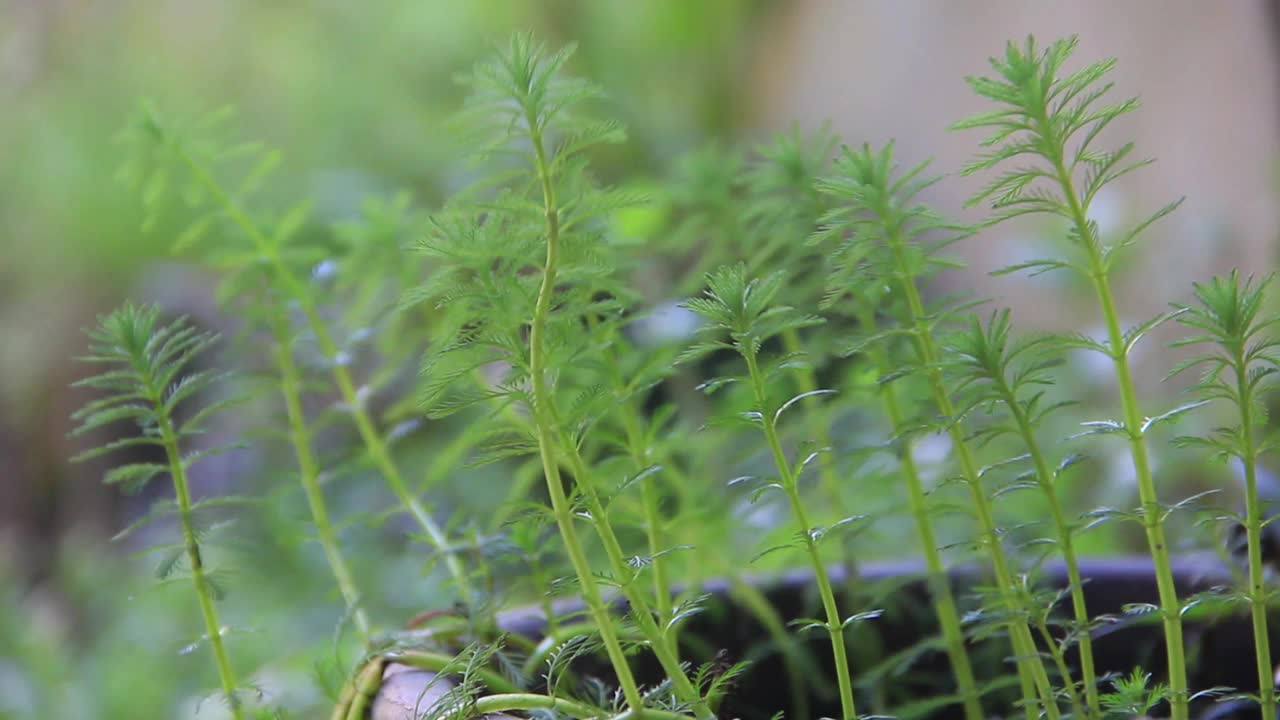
(381, 456)
(374, 443)
(1060, 663)
(660, 642)
(309, 475)
(1253, 529)
(1088, 676)
(442, 663)
(654, 525)
(509, 696)
(835, 624)
(816, 425)
(749, 596)
(1027, 657)
(545, 428)
(353, 703)
(548, 429)
(940, 586)
(649, 498)
(564, 520)
(572, 708)
(1152, 520)
(554, 639)
(654, 530)
(1028, 688)
(652, 515)
(199, 577)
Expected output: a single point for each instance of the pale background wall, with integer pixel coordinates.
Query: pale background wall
(1206, 72)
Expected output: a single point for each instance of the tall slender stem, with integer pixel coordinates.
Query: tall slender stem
(638, 451)
(653, 520)
(545, 430)
(309, 475)
(816, 426)
(1170, 606)
(548, 432)
(835, 623)
(1253, 528)
(582, 567)
(660, 642)
(1060, 662)
(939, 585)
(199, 576)
(1024, 646)
(1088, 676)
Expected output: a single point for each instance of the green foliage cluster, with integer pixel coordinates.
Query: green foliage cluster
(636, 460)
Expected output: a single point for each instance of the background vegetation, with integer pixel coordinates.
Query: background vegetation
(354, 97)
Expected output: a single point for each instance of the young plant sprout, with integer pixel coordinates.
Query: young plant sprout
(146, 376)
(1240, 368)
(743, 309)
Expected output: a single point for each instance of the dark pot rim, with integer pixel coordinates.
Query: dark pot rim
(1111, 583)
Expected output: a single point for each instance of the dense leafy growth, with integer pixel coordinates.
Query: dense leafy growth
(756, 383)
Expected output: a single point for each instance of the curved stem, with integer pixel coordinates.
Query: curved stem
(353, 704)
(550, 442)
(439, 662)
(545, 428)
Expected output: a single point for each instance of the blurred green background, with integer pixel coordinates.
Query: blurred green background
(354, 94)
